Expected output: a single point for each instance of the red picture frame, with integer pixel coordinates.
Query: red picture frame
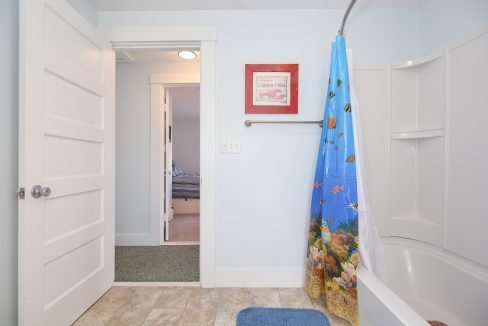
(271, 89)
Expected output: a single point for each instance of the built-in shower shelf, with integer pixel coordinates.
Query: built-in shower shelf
(417, 134)
(418, 62)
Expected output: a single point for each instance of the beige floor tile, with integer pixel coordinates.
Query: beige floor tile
(145, 296)
(132, 306)
(234, 298)
(117, 294)
(105, 307)
(203, 298)
(198, 317)
(163, 317)
(262, 297)
(135, 311)
(295, 298)
(130, 315)
(226, 317)
(173, 298)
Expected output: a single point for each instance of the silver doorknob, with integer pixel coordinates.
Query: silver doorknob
(38, 191)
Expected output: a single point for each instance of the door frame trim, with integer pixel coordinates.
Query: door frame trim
(159, 81)
(204, 37)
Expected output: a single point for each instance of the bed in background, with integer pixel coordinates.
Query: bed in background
(185, 192)
(186, 186)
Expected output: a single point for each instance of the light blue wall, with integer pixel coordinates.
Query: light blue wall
(9, 34)
(446, 22)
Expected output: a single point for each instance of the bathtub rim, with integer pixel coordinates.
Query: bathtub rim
(399, 308)
(466, 265)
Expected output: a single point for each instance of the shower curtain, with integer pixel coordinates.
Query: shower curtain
(333, 257)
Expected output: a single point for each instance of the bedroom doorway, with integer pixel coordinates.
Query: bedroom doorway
(157, 137)
(181, 171)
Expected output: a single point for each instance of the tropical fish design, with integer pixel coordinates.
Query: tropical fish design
(325, 232)
(330, 219)
(336, 189)
(333, 256)
(331, 122)
(354, 206)
(317, 184)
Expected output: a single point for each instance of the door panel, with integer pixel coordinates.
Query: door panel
(67, 143)
(65, 100)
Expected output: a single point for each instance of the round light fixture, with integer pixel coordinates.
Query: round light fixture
(187, 55)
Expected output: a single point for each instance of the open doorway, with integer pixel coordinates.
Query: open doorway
(182, 160)
(157, 166)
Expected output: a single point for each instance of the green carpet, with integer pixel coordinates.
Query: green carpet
(157, 264)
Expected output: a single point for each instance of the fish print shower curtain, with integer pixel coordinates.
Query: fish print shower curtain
(332, 257)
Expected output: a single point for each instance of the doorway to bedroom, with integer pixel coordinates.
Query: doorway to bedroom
(157, 166)
(182, 165)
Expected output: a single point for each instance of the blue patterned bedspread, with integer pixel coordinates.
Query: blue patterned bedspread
(186, 186)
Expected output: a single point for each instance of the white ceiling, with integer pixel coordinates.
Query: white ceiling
(106, 5)
(185, 102)
(151, 56)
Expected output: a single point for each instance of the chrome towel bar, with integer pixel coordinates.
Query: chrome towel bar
(249, 123)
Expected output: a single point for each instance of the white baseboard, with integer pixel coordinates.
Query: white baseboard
(135, 239)
(181, 243)
(162, 284)
(262, 277)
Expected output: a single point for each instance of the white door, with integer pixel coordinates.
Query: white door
(168, 154)
(66, 227)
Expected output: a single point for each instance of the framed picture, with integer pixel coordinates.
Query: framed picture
(272, 88)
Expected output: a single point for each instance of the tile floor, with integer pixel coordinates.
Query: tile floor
(190, 306)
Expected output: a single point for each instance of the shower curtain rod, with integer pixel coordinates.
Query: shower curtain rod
(346, 15)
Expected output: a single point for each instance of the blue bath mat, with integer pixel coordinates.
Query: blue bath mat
(281, 317)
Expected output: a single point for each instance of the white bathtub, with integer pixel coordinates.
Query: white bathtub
(423, 282)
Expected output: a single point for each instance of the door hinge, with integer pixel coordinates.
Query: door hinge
(21, 193)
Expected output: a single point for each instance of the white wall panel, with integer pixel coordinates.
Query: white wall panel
(372, 88)
(468, 150)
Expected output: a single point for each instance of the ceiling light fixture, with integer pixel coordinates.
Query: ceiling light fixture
(187, 55)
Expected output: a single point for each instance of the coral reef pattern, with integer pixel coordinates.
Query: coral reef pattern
(332, 257)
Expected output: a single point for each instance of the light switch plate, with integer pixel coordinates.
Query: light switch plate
(231, 145)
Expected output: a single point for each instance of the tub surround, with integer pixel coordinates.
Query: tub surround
(435, 180)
